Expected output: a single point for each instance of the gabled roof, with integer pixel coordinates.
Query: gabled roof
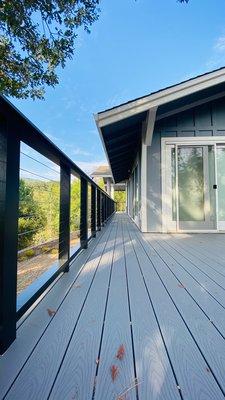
(122, 127)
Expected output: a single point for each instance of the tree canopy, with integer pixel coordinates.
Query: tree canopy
(37, 37)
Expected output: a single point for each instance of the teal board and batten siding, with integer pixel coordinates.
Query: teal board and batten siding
(204, 120)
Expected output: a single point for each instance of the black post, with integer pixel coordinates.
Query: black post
(106, 208)
(98, 210)
(103, 209)
(93, 210)
(64, 217)
(83, 213)
(9, 202)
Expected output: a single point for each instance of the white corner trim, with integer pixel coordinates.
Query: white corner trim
(144, 188)
(150, 123)
(161, 97)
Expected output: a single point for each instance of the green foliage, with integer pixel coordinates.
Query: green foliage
(47, 194)
(31, 217)
(36, 37)
(75, 206)
(120, 199)
(101, 183)
(39, 213)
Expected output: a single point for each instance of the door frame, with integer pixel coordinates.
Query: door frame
(201, 141)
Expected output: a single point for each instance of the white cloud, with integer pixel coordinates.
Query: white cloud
(80, 152)
(217, 58)
(220, 44)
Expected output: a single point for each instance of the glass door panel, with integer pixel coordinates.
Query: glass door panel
(190, 183)
(221, 186)
(196, 197)
(189, 201)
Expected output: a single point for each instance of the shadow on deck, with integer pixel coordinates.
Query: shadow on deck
(143, 319)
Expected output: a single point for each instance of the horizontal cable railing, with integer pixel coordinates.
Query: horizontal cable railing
(49, 211)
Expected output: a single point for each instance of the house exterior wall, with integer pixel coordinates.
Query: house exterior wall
(204, 120)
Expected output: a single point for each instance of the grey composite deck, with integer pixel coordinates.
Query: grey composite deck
(160, 297)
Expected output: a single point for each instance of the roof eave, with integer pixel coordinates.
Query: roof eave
(103, 144)
(156, 99)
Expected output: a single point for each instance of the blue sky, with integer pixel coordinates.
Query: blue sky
(136, 47)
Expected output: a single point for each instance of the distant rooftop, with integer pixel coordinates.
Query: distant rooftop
(102, 170)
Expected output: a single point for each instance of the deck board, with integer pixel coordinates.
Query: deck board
(77, 374)
(160, 296)
(188, 272)
(188, 363)
(34, 326)
(117, 332)
(38, 374)
(154, 371)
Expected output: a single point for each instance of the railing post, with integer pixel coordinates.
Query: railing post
(83, 213)
(93, 210)
(9, 203)
(103, 209)
(64, 217)
(98, 210)
(107, 205)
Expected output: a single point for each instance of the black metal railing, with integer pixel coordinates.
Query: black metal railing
(14, 130)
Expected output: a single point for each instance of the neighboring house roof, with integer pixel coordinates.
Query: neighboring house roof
(122, 127)
(102, 171)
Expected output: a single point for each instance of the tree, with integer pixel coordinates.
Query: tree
(75, 206)
(36, 37)
(120, 199)
(31, 219)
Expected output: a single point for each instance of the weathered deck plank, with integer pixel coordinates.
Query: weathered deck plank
(37, 376)
(129, 292)
(116, 333)
(187, 271)
(214, 270)
(76, 376)
(207, 254)
(32, 329)
(189, 364)
(154, 372)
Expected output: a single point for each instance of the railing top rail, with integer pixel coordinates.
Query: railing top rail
(32, 136)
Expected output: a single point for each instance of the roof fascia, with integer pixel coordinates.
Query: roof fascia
(159, 98)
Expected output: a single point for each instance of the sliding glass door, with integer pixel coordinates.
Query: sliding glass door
(220, 169)
(194, 187)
